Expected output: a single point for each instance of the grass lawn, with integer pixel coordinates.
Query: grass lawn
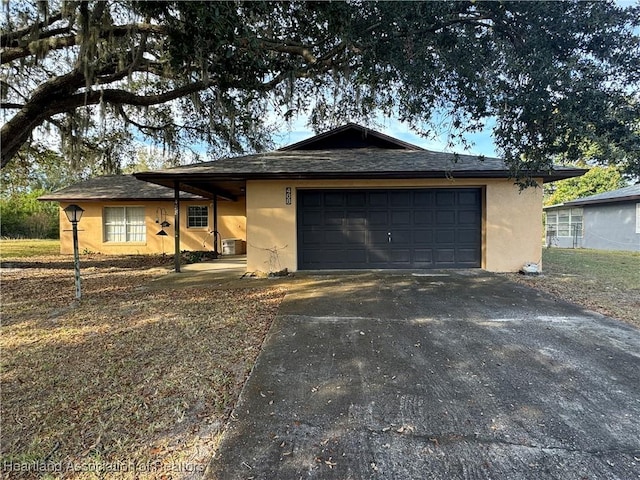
(606, 282)
(133, 378)
(28, 248)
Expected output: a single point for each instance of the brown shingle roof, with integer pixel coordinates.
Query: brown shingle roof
(114, 187)
(352, 163)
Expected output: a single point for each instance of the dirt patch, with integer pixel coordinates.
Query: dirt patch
(131, 380)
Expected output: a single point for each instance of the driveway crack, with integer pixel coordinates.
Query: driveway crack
(439, 440)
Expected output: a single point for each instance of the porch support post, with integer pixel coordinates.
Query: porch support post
(176, 225)
(216, 234)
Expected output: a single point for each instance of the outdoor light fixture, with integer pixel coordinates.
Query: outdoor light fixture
(164, 225)
(161, 218)
(74, 214)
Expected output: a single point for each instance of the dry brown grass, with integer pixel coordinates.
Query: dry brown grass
(607, 282)
(135, 379)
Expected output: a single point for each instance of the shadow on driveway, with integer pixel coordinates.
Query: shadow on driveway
(442, 376)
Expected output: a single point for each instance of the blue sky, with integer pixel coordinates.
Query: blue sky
(481, 142)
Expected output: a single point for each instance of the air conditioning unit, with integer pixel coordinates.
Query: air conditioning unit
(233, 246)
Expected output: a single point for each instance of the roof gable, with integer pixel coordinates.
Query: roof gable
(351, 136)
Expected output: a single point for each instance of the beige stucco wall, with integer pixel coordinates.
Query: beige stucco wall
(511, 220)
(231, 224)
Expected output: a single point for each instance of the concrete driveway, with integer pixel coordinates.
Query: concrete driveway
(451, 375)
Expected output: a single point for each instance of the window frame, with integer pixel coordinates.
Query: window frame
(199, 216)
(127, 225)
(565, 228)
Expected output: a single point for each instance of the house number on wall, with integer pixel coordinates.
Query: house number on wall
(287, 195)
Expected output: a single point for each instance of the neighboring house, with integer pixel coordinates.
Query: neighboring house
(353, 198)
(606, 221)
(123, 215)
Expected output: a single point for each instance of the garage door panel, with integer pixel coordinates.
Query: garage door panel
(357, 237)
(422, 237)
(333, 217)
(334, 199)
(469, 197)
(445, 217)
(378, 199)
(356, 218)
(312, 238)
(467, 255)
(400, 217)
(312, 218)
(468, 217)
(400, 198)
(423, 217)
(445, 198)
(379, 237)
(445, 236)
(311, 199)
(356, 199)
(423, 198)
(467, 236)
(445, 255)
(401, 255)
(423, 256)
(378, 217)
(430, 228)
(333, 237)
(401, 237)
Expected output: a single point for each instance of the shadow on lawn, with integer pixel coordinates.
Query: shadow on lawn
(64, 262)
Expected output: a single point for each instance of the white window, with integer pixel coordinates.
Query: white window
(197, 216)
(566, 222)
(637, 217)
(124, 224)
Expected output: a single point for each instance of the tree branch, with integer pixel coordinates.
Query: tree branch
(9, 37)
(10, 105)
(294, 49)
(44, 44)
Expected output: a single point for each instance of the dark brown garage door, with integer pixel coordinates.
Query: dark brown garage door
(353, 229)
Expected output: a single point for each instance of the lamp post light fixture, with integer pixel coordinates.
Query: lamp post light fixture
(74, 214)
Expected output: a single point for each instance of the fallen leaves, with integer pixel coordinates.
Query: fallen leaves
(129, 374)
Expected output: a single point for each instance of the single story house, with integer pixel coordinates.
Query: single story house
(353, 198)
(123, 215)
(606, 221)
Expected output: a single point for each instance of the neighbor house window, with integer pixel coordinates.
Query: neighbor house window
(197, 217)
(637, 217)
(565, 222)
(124, 224)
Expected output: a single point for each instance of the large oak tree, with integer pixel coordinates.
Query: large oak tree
(560, 78)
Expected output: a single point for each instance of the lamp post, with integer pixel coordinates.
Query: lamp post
(74, 213)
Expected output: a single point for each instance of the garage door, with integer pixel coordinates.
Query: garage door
(425, 228)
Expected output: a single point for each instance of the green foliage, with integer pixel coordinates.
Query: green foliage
(559, 78)
(596, 180)
(23, 216)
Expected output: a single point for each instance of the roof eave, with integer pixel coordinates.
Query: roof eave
(167, 178)
(629, 198)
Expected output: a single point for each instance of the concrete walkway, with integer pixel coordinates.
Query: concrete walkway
(220, 273)
(449, 375)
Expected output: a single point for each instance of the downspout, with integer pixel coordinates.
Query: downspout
(176, 212)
